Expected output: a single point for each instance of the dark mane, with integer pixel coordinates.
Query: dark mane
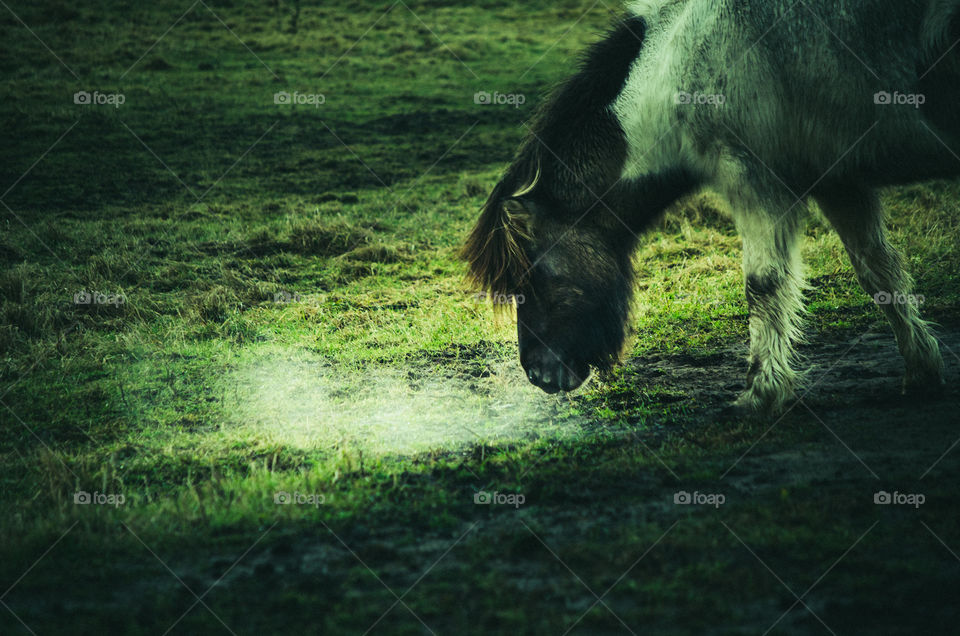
(496, 261)
(573, 152)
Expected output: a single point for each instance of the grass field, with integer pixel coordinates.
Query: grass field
(277, 311)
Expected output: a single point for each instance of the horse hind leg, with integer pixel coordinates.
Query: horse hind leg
(857, 216)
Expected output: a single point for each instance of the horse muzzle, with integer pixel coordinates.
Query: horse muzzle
(549, 372)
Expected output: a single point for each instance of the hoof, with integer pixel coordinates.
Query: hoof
(757, 404)
(924, 375)
(929, 386)
(735, 411)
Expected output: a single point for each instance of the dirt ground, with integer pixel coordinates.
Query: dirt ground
(862, 437)
(877, 439)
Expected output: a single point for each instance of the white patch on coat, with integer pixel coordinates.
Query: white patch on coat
(646, 107)
(649, 10)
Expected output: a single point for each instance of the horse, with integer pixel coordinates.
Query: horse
(768, 103)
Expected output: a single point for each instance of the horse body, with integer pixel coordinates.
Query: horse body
(796, 95)
(768, 102)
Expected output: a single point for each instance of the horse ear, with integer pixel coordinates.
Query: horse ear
(494, 251)
(515, 206)
(520, 213)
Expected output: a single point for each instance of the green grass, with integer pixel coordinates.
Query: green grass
(200, 199)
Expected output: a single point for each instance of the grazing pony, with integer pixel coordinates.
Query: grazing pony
(767, 102)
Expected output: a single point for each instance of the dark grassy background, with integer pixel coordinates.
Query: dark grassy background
(199, 200)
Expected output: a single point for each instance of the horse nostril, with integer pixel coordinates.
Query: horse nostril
(572, 381)
(550, 373)
(561, 379)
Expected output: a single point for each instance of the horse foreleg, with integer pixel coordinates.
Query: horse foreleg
(769, 228)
